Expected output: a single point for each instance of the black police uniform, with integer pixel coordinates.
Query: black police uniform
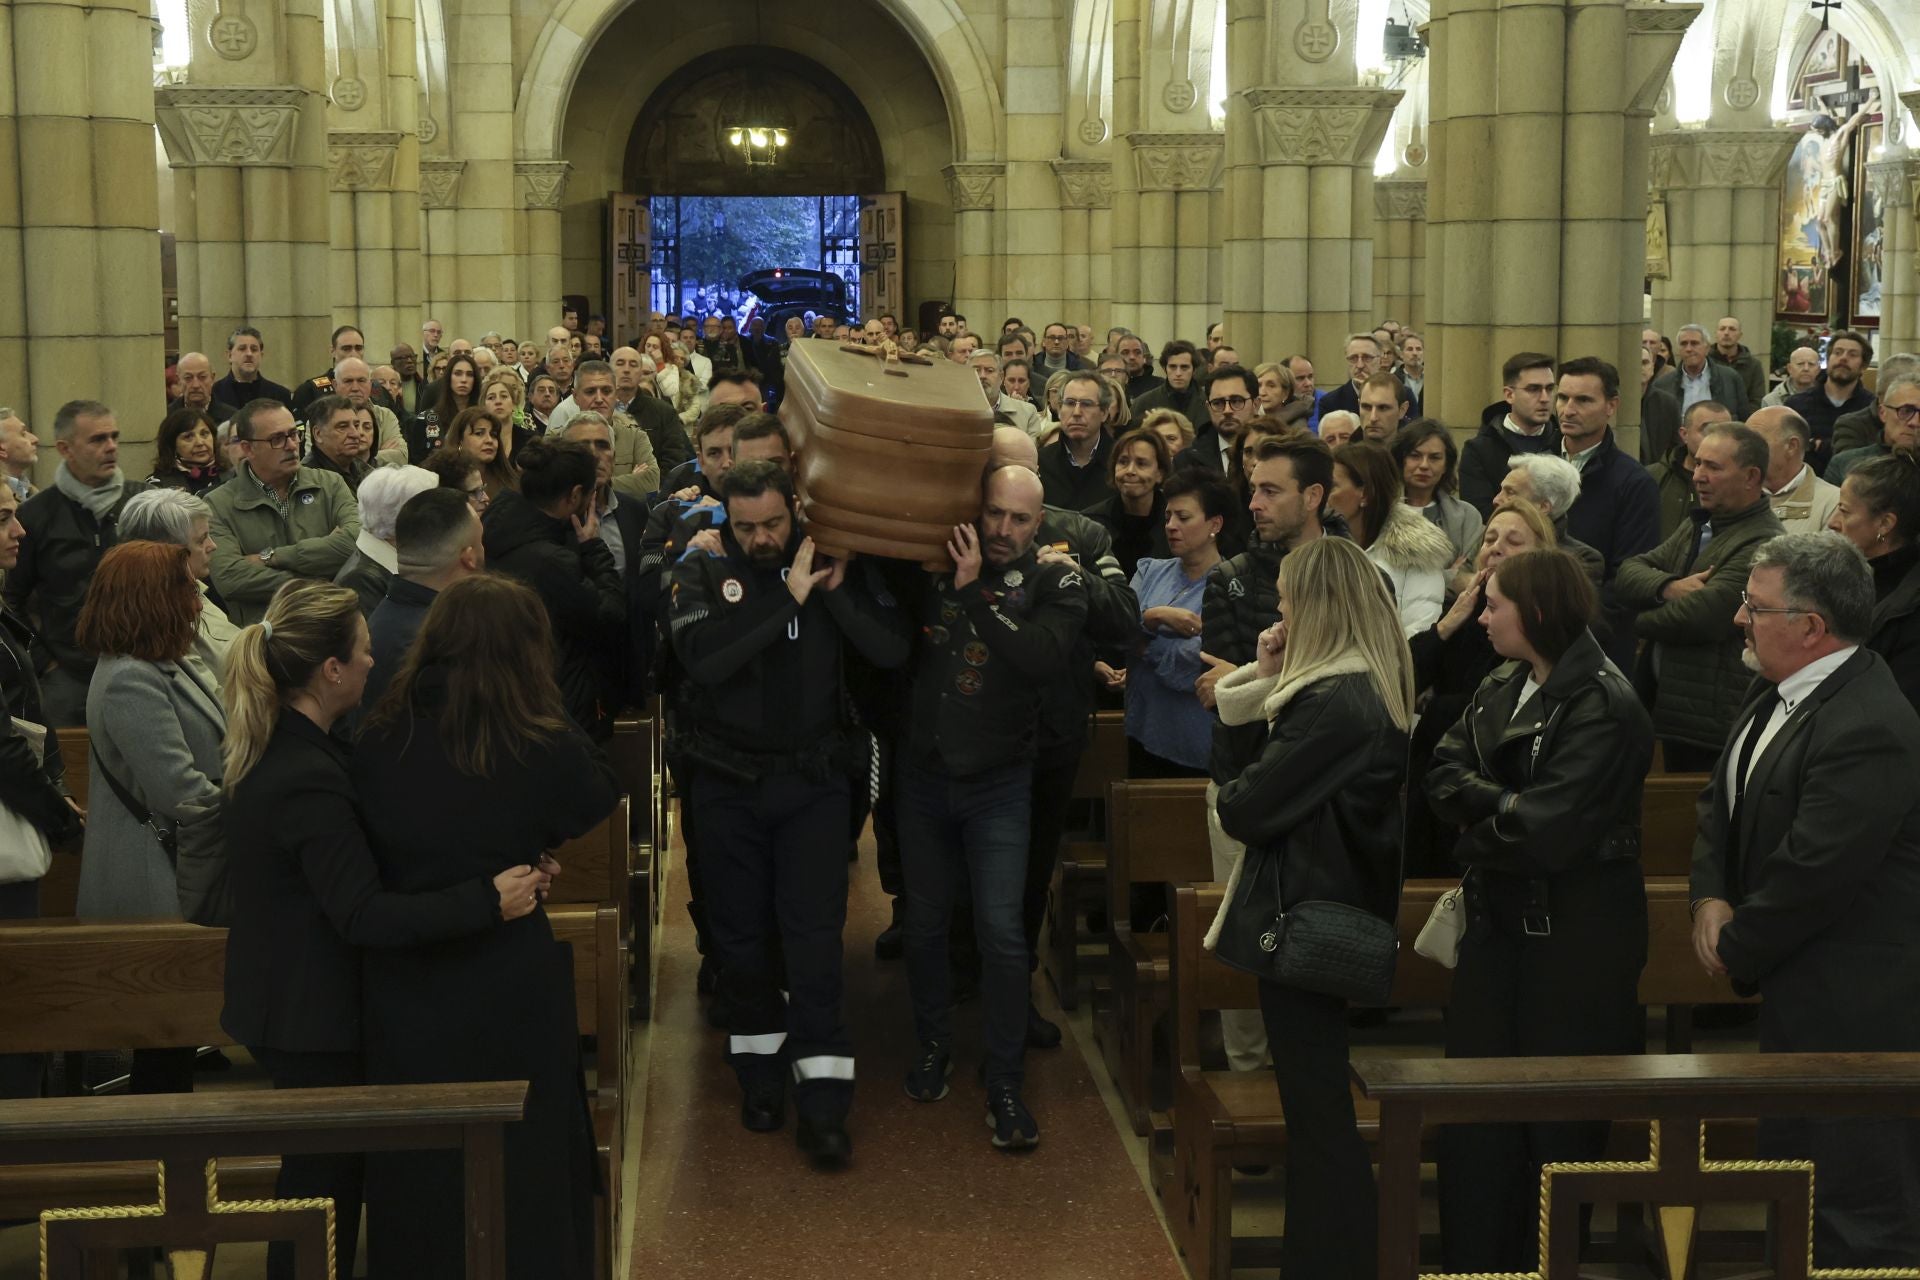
(769, 737)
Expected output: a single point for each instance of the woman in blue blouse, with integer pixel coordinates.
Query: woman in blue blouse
(1168, 731)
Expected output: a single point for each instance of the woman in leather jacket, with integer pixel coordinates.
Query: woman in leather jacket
(1543, 772)
(1319, 811)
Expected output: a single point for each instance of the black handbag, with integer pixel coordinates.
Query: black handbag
(1325, 947)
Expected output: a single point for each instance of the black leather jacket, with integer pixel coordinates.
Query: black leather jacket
(34, 789)
(1323, 797)
(1241, 600)
(1572, 762)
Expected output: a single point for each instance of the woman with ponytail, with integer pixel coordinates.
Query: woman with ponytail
(306, 893)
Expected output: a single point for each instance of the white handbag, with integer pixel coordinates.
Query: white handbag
(24, 852)
(1439, 938)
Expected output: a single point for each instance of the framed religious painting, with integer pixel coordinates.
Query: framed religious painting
(1869, 234)
(1802, 289)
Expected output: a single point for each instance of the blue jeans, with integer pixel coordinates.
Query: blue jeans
(977, 827)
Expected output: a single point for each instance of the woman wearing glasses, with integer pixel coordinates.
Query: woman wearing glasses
(1879, 513)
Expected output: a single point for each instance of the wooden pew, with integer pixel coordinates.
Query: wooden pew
(1223, 1118)
(69, 985)
(635, 763)
(1156, 835)
(1668, 821)
(1080, 883)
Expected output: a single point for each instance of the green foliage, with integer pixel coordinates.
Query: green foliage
(724, 237)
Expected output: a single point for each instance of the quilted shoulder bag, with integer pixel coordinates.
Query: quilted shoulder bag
(1315, 945)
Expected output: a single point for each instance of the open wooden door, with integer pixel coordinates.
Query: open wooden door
(629, 252)
(883, 264)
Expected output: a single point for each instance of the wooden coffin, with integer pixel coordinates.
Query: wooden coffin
(891, 453)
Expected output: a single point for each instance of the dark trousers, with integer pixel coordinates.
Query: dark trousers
(1573, 991)
(22, 1075)
(776, 851)
(1333, 1206)
(341, 1175)
(886, 823)
(977, 828)
(684, 783)
(1866, 1203)
(1052, 792)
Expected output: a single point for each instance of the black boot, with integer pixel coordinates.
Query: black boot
(892, 942)
(1042, 1032)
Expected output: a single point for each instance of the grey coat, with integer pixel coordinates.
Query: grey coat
(158, 727)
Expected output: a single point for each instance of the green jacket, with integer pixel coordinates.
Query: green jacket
(1675, 481)
(312, 540)
(1700, 681)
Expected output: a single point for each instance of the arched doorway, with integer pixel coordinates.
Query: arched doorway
(873, 57)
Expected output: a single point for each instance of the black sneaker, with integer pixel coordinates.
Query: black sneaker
(927, 1078)
(1042, 1032)
(825, 1142)
(763, 1106)
(1013, 1125)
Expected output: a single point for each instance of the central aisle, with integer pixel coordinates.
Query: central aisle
(926, 1196)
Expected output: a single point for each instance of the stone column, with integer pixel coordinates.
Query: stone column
(543, 189)
(1895, 184)
(1031, 217)
(1537, 200)
(245, 135)
(439, 233)
(1400, 251)
(1086, 219)
(1300, 240)
(979, 272)
(1175, 176)
(487, 273)
(1722, 193)
(80, 311)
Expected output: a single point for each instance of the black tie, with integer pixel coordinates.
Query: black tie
(1736, 852)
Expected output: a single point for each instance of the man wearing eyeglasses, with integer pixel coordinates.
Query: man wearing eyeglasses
(1687, 590)
(1182, 391)
(1073, 468)
(1899, 427)
(1363, 354)
(1230, 398)
(276, 519)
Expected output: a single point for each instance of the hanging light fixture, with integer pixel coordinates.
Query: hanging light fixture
(759, 136)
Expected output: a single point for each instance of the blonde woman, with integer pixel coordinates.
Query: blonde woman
(504, 396)
(1319, 812)
(306, 892)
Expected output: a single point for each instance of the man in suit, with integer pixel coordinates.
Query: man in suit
(1232, 396)
(1806, 876)
(1695, 377)
(1363, 354)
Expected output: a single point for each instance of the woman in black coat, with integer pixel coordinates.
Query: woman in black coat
(1319, 812)
(1879, 512)
(468, 765)
(1544, 770)
(306, 895)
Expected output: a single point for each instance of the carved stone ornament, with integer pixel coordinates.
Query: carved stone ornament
(1178, 161)
(1718, 158)
(361, 161)
(1660, 17)
(1085, 184)
(233, 36)
(429, 129)
(1179, 95)
(970, 186)
(440, 183)
(349, 93)
(1093, 131)
(1400, 200)
(1742, 92)
(206, 126)
(1321, 126)
(543, 183)
(1894, 183)
(1315, 39)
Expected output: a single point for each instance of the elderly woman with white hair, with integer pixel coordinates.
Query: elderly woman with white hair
(176, 516)
(375, 557)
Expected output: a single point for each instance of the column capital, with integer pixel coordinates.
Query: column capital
(1178, 161)
(1321, 126)
(971, 186)
(1400, 198)
(1085, 184)
(361, 161)
(440, 183)
(542, 183)
(1654, 33)
(1719, 158)
(207, 126)
(1895, 183)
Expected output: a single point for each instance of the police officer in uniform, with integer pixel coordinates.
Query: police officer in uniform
(757, 622)
(995, 633)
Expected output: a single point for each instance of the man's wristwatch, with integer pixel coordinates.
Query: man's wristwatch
(266, 556)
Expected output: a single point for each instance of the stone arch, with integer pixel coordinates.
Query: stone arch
(939, 28)
(1867, 29)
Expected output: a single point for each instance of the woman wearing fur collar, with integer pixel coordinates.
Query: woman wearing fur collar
(1319, 811)
(1410, 549)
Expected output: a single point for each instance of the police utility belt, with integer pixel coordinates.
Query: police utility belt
(834, 757)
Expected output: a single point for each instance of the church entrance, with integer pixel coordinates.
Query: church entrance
(765, 256)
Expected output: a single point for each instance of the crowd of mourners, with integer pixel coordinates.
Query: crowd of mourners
(356, 645)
